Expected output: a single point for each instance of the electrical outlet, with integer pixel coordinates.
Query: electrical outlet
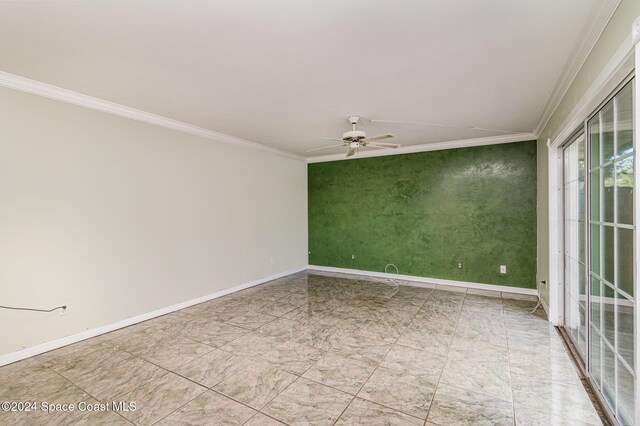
(503, 269)
(353, 257)
(64, 311)
(459, 265)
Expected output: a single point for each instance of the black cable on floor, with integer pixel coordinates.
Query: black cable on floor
(34, 310)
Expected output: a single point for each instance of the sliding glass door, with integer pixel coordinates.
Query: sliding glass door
(611, 268)
(599, 253)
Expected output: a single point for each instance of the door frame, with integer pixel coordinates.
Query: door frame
(570, 141)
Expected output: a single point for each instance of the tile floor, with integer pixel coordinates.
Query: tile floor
(316, 349)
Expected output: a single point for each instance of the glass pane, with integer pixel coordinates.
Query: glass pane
(572, 199)
(575, 323)
(574, 233)
(607, 132)
(607, 194)
(596, 291)
(624, 119)
(595, 195)
(571, 171)
(607, 311)
(624, 323)
(582, 247)
(594, 140)
(595, 249)
(582, 343)
(607, 253)
(595, 361)
(625, 260)
(608, 375)
(624, 183)
(581, 199)
(580, 335)
(625, 396)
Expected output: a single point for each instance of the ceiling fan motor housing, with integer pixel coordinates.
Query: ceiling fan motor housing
(354, 135)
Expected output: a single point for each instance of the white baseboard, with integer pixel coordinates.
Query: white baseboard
(74, 338)
(424, 280)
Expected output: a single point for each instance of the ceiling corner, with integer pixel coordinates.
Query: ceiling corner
(599, 17)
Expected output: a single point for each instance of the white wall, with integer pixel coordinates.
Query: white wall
(116, 218)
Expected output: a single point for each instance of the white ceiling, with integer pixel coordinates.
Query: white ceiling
(286, 73)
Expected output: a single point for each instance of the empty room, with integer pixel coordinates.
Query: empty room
(338, 212)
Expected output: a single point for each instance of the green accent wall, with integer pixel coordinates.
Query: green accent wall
(427, 211)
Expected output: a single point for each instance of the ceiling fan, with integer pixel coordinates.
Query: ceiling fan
(355, 139)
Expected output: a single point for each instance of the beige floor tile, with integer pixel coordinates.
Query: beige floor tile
(251, 320)
(262, 420)
(400, 391)
(212, 333)
(414, 361)
(362, 348)
(528, 417)
(342, 373)
(292, 357)
(363, 412)
(210, 408)
(156, 399)
(172, 352)
(432, 336)
(213, 367)
(251, 344)
(256, 384)
(483, 369)
(308, 403)
(106, 379)
(556, 399)
(460, 407)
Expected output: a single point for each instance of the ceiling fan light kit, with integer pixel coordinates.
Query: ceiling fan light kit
(355, 139)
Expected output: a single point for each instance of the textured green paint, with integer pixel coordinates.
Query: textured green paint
(425, 212)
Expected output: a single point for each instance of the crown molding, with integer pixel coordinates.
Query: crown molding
(598, 19)
(437, 146)
(635, 31)
(59, 94)
(618, 67)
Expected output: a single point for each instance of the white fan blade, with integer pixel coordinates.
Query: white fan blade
(333, 139)
(351, 152)
(484, 129)
(325, 147)
(383, 145)
(380, 137)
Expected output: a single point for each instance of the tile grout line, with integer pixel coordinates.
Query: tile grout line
(378, 366)
(216, 391)
(453, 335)
(298, 377)
(83, 390)
(506, 332)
